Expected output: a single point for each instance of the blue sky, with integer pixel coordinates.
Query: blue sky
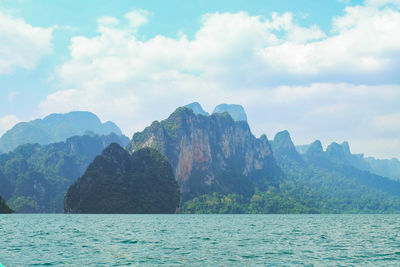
(323, 70)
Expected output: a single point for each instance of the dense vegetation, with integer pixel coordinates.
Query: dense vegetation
(117, 182)
(317, 182)
(35, 178)
(340, 153)
(55, 128)
(218, 163)
(211, 153)
(3, 207)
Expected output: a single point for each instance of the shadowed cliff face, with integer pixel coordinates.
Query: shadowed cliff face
(211, 153)
(3, 207)
(117, 182)
(34, 178)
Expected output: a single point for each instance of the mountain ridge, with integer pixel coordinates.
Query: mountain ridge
(53, 128)
(205, 151)
(34, 178)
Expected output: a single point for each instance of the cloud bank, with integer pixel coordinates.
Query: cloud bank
(336, 84)
(21, 44)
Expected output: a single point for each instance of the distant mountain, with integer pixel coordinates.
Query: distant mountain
(3, 207)
(55, 128)
(340, 153)
(302, 149)
(197, 109)
(236, 111)
(116, 182)
(332, 173)
(284, 149)
(385, 167)
(211, 153)
(35, 178)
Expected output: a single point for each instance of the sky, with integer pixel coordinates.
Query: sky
(326, 70)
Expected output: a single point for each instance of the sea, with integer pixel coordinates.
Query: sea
(199, 240)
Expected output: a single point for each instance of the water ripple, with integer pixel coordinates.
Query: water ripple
(198, 240)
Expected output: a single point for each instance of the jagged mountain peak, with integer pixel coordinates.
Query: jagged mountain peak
(316, 154)
(211, 153)
(197, 109)
(282, 140)
(236, 111)
(315, 147)
(282, 135)
(339, 151)
(284, 149)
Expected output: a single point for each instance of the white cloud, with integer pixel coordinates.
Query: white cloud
(365, 48)
(314, 84)
(137, 18)
(21, 44)
(7, 122)
(302, 35)
(108, 20)
(379, 3)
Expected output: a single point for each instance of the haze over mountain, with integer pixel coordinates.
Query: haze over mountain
(341, 153)
(55, 128)
(219, 165)
(35, 178)
(385, 167)
(334, 173)
(211, 153)
(197, 108)
(210, 156)
(117, 182)
(236, 111)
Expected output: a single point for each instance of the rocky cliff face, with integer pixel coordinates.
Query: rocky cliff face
(211, 153)
(116, 182)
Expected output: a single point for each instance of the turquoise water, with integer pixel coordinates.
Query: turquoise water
(193, 240)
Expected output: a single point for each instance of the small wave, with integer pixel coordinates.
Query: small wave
(129, 241)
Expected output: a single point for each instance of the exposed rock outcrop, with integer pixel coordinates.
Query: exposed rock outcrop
(211, 154)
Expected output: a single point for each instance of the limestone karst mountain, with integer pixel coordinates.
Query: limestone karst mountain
(55, 128)
(34, 178)
(117, 182)
(236, 111)
(211, 153)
